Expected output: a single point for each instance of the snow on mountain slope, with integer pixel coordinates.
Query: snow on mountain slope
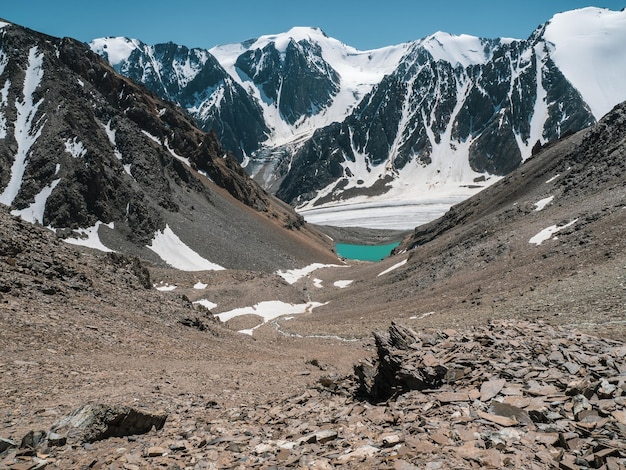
(115, 49)
(588, 45)
(82, 147)
(358, 72)
(182, 70)
(463, 50)
(424, 123)
(456, 113)
(193, 79)
(28, 127)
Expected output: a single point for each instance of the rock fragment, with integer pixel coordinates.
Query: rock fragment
(97, 422)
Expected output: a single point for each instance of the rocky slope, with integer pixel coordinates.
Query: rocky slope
(439, 114)
(88, 152)
(474, 371)
(488, 361)
(546, 242)
(93, 358)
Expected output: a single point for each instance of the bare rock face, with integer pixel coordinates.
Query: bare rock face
(97, 422)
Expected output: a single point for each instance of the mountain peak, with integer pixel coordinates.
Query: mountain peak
(115, 49)
(462, 50)
(587, 36)
(296, 34)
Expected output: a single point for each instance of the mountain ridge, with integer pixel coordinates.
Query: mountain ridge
(491, 101)
(92, 154)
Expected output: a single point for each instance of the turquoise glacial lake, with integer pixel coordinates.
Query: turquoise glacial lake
(365, 252)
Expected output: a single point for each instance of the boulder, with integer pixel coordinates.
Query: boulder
(97, 422)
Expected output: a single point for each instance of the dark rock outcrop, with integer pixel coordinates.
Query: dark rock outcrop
(97, 422)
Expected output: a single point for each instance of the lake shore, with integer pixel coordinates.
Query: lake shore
(362, 235)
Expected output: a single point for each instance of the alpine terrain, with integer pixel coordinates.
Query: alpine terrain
(159, 309)
(105, 163)
(434, 120)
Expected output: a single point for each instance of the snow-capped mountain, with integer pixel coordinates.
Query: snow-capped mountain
(443, 115)
(106, 163)
(303, 79)
(193, 79)
(265, 92)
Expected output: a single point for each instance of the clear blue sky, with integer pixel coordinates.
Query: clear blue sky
(363, 24)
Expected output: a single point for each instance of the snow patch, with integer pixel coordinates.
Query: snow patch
(268, 310)
(75, 148)
(4, 96)
(547, 233)
(422, 316)
(342, 284)
(206, 303)
(394, 267)
(151, 137)
(318, 283)
(174, 252)
(34, 212)
(110, 132)
(175, 155)
(117, 49)
(540, 205)
(165, 287)
(200, 285)
(553, 178)
(294, 275)
(90, 237)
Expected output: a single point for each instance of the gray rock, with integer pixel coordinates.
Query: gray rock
(56, 440)
(97, 422)
(6, 444)
(33, 439)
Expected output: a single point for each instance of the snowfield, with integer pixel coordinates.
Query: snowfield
(399, 214)
(588, 46)
(268, 310)
(174, 252)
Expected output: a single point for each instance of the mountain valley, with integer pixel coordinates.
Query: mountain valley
(145, 274)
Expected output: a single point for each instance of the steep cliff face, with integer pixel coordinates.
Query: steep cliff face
(82, 147)
(296, 77)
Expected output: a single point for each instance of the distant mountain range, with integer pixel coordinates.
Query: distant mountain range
(318, 122)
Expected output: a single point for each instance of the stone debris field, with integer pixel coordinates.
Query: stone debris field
(511, 394)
